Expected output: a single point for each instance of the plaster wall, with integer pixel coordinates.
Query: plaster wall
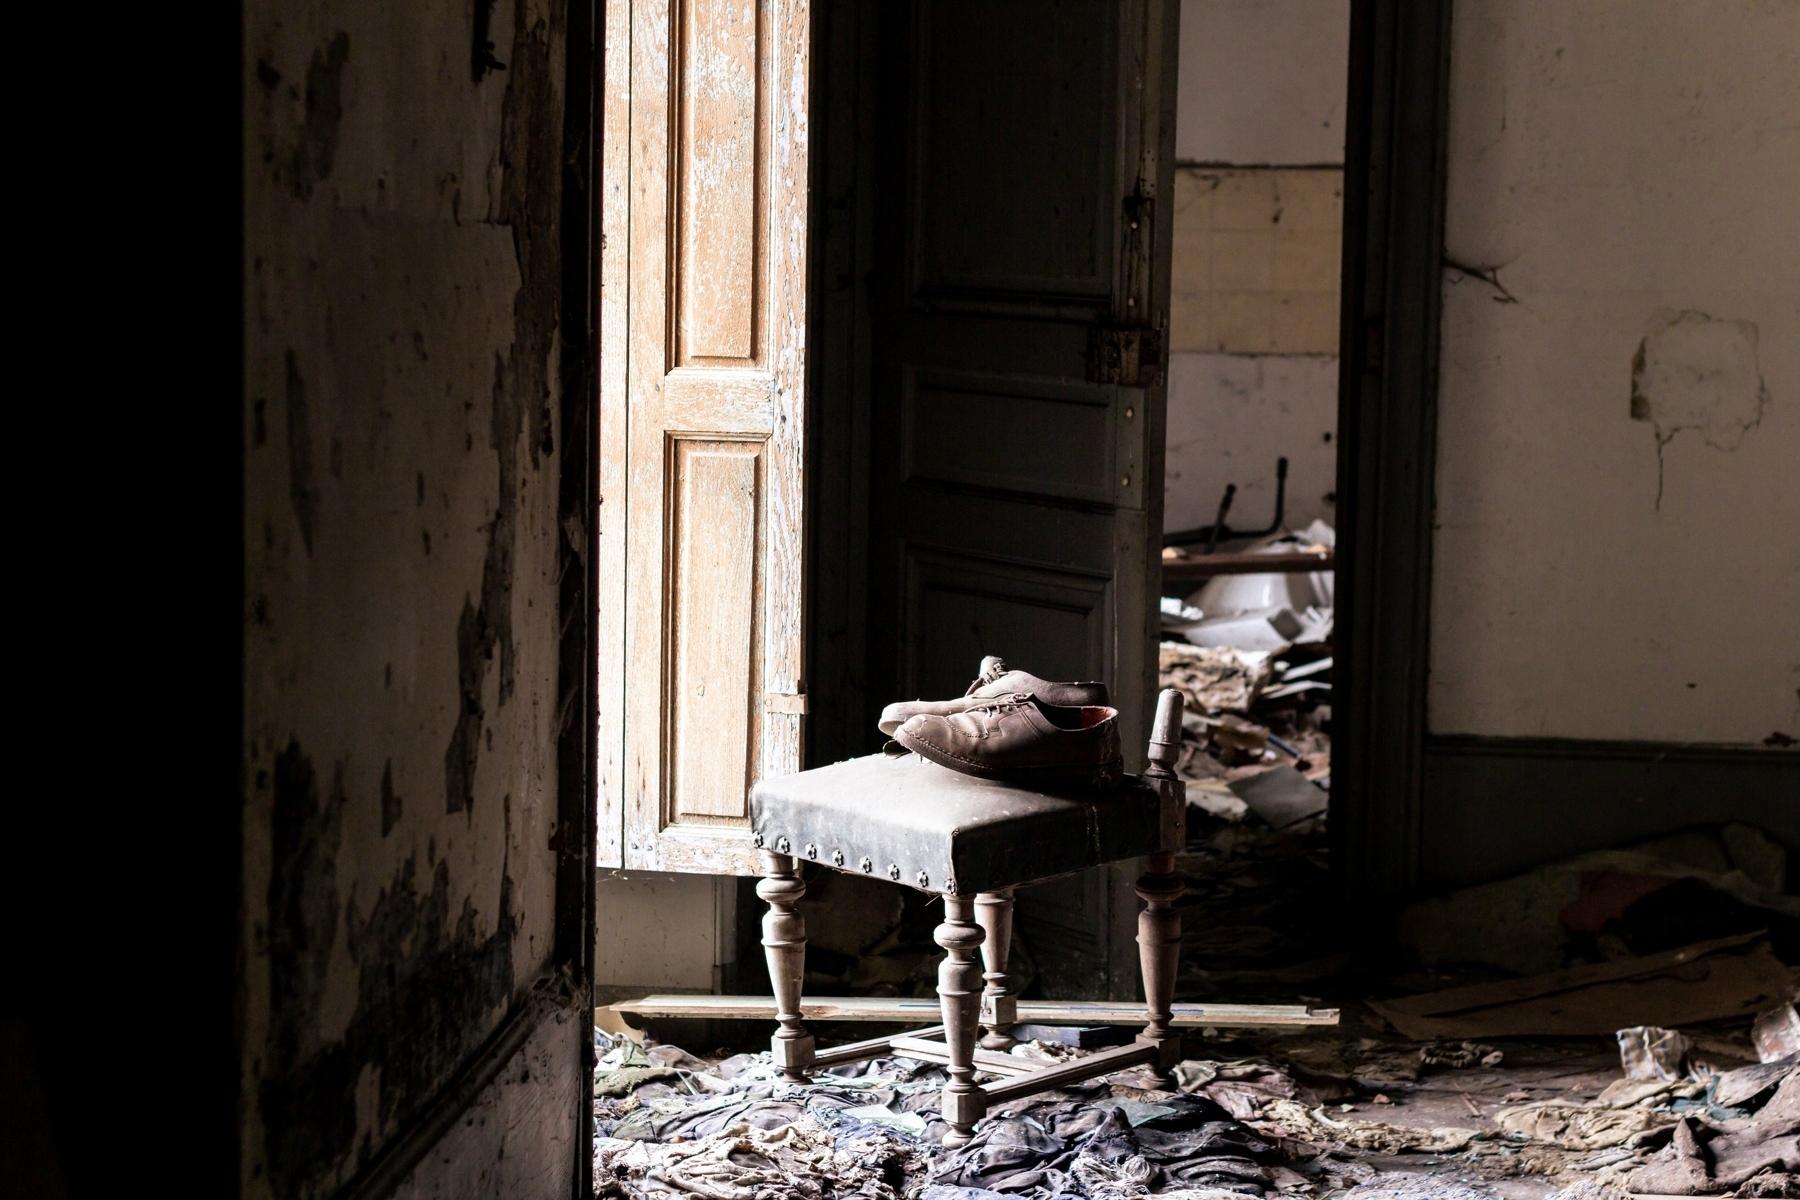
(1255, 264)
(402, 276)
(1618, 474)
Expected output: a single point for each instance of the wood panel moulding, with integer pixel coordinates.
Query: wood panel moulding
(719, 144)
(711, 622)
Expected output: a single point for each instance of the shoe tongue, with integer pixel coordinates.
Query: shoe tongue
(992, 668)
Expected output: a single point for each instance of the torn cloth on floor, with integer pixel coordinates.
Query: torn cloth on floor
(1711, 1158)
(1313, 1125)
(1107, 1151)
(742, 1162)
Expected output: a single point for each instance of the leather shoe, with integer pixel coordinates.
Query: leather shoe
(1020, 738)
(995, 682)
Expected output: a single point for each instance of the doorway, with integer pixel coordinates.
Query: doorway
(929, 467)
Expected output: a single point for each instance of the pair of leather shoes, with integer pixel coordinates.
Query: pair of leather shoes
(1014, 726)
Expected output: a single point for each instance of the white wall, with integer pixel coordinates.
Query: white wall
(1262, 82)
(1606, 566)
(1258, 221)
(661, 932)
(1241, 412)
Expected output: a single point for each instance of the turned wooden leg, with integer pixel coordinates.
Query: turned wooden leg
(1159, 954)
(959, 984)
(999, 1008)
(784, 944)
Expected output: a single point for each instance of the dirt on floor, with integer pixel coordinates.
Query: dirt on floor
(1343, 1112)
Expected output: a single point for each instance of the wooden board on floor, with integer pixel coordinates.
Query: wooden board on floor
(1042, 1012)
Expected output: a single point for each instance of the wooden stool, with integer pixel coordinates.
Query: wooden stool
(971, 841)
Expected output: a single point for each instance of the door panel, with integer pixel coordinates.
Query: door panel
(701, 480)
(964, 604)
(1043, 77)
(980, 429)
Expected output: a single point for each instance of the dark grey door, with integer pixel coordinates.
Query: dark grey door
(1019, 296)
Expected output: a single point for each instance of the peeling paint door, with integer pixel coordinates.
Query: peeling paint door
(703, 353)
(1021, 295)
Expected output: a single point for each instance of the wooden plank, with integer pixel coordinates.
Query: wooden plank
(1042, 1012)
(1089, 1066)
(1205, 566)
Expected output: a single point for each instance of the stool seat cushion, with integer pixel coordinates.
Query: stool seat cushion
(904, 818)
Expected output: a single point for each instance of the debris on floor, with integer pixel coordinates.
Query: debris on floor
(1690, 887)
(1727, 977)
(1267, 611)
(1324, 1115)
(1776, 1032)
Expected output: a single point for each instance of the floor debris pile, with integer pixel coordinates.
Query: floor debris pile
(1256, 757)
(1255, 864)
(1350, 1114)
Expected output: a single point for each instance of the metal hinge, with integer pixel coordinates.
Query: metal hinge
(1131, 355)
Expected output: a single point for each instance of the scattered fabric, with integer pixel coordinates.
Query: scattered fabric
(1650, 1052)
(1591, 1189)
(1235, 1129)
(1708, 1159)
(1579, 1126)
(743, 1162)
(623, 1067)
(1776, 1033)
(1057, 1147)
(1317, 1126)
(1460, 1055)
(1214, 679)
(1394, 1186)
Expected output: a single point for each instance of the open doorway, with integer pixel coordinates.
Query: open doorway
(1250, 478)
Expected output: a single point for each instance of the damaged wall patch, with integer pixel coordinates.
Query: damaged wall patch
(1695, 372)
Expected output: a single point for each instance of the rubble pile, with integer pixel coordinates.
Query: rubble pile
(1328, 1115)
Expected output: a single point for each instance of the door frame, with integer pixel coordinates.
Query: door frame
(1394, 173)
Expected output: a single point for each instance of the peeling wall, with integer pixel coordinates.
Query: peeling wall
(403, 275)
(1619, 414)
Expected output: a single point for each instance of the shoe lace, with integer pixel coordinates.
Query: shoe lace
(990, 709)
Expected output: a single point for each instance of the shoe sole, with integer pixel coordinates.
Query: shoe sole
(1100, 778)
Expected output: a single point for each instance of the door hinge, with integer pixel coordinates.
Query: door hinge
(1131, 355)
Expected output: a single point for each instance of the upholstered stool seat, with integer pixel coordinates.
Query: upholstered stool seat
(971, 841)
(905, 819)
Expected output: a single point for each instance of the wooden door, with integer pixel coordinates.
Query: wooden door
(703, 346)
(1020, 301)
